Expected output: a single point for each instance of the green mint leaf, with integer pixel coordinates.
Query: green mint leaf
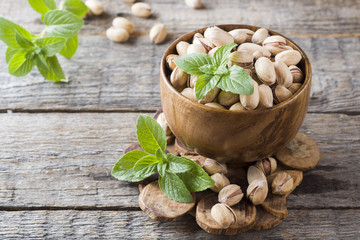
(177, 164)
(42, 6)
(204, 84)
(70, 47)
(150, 134)
(51, 45)
(174, 188)
(62, 23)
(7, 33)
(54, 71)
(191, 63)
(222, 70)
(41, 62)
(161, 168)
(237, 81)
(160, 155)
(221, 56)
(22, 41)
(146, 166)
(20, 64)
(195, 179)
(10, 53)
(208, 69)
(76, 7)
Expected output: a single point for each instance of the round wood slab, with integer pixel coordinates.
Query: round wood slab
(275, 205)
(265, 220)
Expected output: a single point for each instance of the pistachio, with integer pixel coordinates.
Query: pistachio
(210, 96)
(296, 73)
(211, 166)
(192, 81)
(281, 93)
(178, 78)
(196, 48)
(251, 101)
(117, 34)
(265, 70)
(141, 9)
(212, 51)
(230, 195)
(170, 61)
(275, 44)
(257, 191)
(255, 173)
(95, 7)
(265, 96)
(207, 44)
(218, 36)
(282, 183)
(163, 123)
(294, 87)
(223, 215)
(220, 182)
(227, 98)
(260, 35)
(289, 57)
(158, 33)
(267, 165)
(237, 107)
(193, 3)
(242, 58)
(189, 93)
(214, 105)
(283, 74)
(121, 22)
(249, 33)
(258, 54)
(252, 47)
(181, 48)
(239, 35)
(196, 38)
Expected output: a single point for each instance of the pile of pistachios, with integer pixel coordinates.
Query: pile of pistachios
(269, 60)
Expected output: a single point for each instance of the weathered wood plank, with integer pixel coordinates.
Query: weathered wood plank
(64, 160)
(304, 224)
(127, 77)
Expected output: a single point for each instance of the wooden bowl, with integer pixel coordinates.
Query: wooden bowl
(236, 137)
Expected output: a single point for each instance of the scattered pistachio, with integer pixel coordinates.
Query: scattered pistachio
(211, 166)
(267, 165)
(163, 123)
(257, 191)
(223, 215)
(193, 3)
(95, 7)
(158, 33)
(141, 9)
(220, 182)
(230, 195)
(121, 22)
(282, 183)
(255, 173)
(117, 34)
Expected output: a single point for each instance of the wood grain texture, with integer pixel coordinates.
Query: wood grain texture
(64, 160)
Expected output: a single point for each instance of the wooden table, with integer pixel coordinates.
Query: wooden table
(58, 142)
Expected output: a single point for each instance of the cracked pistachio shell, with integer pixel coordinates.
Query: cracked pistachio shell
(242, 58)
(227, 98)
(282, 183)
(230, 195)
(207, 44)
(158, 33)
(239, 35)
(255, 173)
(189, 93)
(267, 165)
(95, 7)
(281, 93)
(275, 44)
(250, 102)
(181, 48)
(265, 96)
(211, 166)
(297, 74)
(163, 123)
(237, 107)
(196, 48)
(117, 34)
(141, 9)
(196, 38)
(294, 87)
(212, 51)
(220, 182)
(210, 96)
(283, 74)
(249, 33)
(193, 3)
(260, 35)
(121, 22)
(253, 48)
(289, 57)
(218, 36)
(192, 81)
(214, 105)
(257, 191)
(265, 70)
(223, 215)
(178, 78)
(170, 61)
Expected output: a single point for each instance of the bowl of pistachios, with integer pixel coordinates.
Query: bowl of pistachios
(235, 93)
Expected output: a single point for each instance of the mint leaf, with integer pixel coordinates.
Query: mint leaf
(41, 62)
(51, 45)
(204, 84)
(196, 179)
(10, 53)
(62, 23)
(70, 47)
(161, 168)
(20, 64)
(191, 63)
(146, 166)
(208, 69)
(23, 41)
(160, 155)
(76, 7)
(7, 33)
(150, 134)
(222, 70)
(42, 6)
(174, 188)
(237, 81)
(54, 71)
(177, 164)
(221, 56)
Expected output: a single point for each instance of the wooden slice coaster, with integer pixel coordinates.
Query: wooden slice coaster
(301, 153)
(196, 158)
(245, 214)
(275, 205)
(296, 175)
(265, 220)
(133, 146)
(159, 207)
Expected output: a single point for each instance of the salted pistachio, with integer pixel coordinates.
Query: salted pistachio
(117, 34)
(178, 78)
(164, 124)
(192, 81)
(275, 44)
(206, 43)
(214, 105)
(282, 183)
(239, 35)
(223, 215)
(196, 38)
(196, 48)
(218, 36)
(220, 180)
(267, 165)
(141, 9)
(249, 33)
(255, 173)
(181, 48)
(281, 93)
(253, 48)
(265, 70)
(230, 195)
(227, 98)
(297, 74)
(211, 166)
(170, 61)
(212, 51)
(251, 101)
(289, 57)
(294, 87)
(158, 33)
(189, 93)
(265, 96)
(121, 22)
(237, 107)
(210, 96)
(193, 3)
(283, 74)
(95, 7)
(257, 191)
(260, 35)
(242, 58)
(258, 54)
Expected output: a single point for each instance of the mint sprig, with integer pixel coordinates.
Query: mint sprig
(178, 176)
(213, 72)
(26, 50)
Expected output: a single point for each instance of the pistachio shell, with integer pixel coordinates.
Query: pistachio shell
(294, 87)
(95, 7)
(265, 96)
(212, 51)
(170, 61)
(141, 9)
(296, 73)
(196, 48)
(189, 93)
(289, 57)
(220, 182)
(223, 215)
(178, 78)
(255, 173)
(181, 48)
(252, 47)
(281, 93)
(282, 183)
(193, 3)
(158, 33)
(117, 34)
(121, 22)
(211, 167)
(210, 96)
(227, 98)
(230, 195)
(260, 35)
(239, 35)
(207, 44)
(265, 70)
(242, 58)
(214, 105)
(257, 191)
(275, 44)
(267, 165)
(237, 107)
(283, 74)
(163, 123)
(249, 33)
(196, 38)
(218, 36)
(251, 101)
(192, 81)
